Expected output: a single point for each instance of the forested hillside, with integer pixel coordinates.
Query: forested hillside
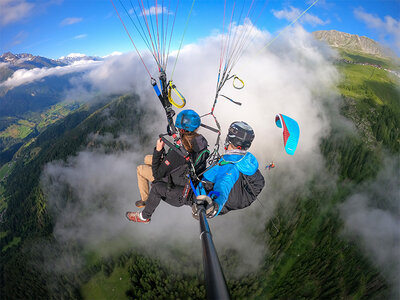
(308, 256)
(25, 217)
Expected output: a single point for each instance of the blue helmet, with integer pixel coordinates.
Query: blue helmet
(188, 120)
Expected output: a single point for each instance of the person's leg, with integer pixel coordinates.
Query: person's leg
(158, 190)
(144, 177)
(174, 197)
(148, 159)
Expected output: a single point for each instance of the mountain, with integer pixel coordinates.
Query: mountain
(27, 61)
(351, 42)
(9, 62)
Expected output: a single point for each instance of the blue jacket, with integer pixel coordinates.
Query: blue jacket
(227, 172)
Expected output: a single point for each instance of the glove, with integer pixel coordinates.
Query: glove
(195, 211)
(211, 207)
(208, 185)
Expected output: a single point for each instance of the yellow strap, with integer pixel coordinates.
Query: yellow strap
(172, 86)
(240, 80)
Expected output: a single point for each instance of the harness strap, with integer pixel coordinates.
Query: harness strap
(200, 155)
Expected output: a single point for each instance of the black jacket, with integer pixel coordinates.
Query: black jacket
(244, 192)
(172, 168)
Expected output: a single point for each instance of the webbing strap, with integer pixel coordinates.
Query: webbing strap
(209, 128)
(200, 155)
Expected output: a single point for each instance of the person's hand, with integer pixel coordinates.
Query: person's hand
(160, 145)
(210, 206)
(212, 209)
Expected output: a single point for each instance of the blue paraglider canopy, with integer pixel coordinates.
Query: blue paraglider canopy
(291, 132)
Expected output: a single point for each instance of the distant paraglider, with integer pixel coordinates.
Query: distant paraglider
(270, 166)
(291, 132)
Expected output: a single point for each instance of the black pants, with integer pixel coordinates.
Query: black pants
(159, 191)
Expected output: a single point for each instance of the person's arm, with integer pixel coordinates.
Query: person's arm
(167, 163)
(224, 181)
(158, 155)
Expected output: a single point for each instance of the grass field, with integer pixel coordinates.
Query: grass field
(365, 58)
(18, 131)
(3, 202)
(4, 170)
(14, 242)
(55, 113)
(362, 81)
(107, 288)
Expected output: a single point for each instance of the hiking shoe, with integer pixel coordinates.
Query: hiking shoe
(134, 216)
(140, 203)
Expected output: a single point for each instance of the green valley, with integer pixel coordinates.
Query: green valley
(307, 258)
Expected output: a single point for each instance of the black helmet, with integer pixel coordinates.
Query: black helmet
(240, 134)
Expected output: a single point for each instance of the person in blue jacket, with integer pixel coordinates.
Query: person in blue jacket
(235, 182)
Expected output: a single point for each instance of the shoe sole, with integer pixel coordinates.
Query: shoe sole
(136, 221)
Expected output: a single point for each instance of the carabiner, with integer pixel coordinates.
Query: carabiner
(240, 80)
(172, 86)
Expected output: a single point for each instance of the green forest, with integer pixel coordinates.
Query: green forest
(308, 258)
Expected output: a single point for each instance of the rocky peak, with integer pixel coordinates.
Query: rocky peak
(351, 42)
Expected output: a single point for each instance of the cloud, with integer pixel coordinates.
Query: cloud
(70, 21)
(73, 55)
(115, 53)
(388, 27)
(156, 11)
(19, 38)
(80, 36)
(292, 13)
(12, 11)
(372, 217)
(298, 83)
(4, 64)
(24, 76)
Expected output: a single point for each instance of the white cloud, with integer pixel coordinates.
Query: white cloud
(292, 13)
(73, 55)
(156, 11)
(19, 38)
(388, 27)
(80, 36)
(24, 76)
(12, 11)
(372, 217)
(115, 53)
(70, 21)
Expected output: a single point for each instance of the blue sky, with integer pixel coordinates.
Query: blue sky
(55, 28)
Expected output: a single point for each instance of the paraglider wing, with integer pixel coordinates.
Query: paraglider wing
(291, 132)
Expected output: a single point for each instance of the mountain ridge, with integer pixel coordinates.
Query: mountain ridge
(352, 42)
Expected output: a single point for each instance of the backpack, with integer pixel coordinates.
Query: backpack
(244, 192)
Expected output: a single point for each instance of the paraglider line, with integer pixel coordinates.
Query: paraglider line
(144, 16)
(152, 29)
(294, 21)
(131, 38)
(144, 38)
(172, 30)
(183, 36)
(252, 190)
